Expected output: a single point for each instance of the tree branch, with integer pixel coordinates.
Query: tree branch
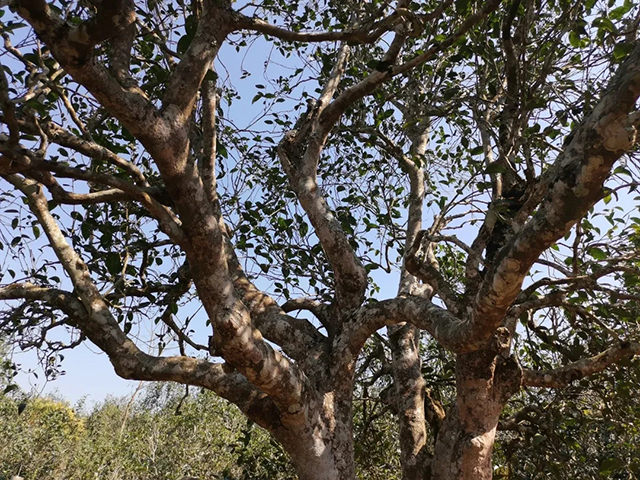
(207, 164)
(427, 271)
(298, 338)
(183, 85)
(73, 49)
(420, 312)
(299, 153)
(352, 94)
(318, 309)
(27, 160)
(133, 364)
(8, 110)
(65, 138)
(368, 33)
(563, 376)
(577, 179)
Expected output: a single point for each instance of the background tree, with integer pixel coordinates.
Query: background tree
(504, 122)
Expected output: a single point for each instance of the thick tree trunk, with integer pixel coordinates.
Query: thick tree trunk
(485, 381)
(465, 442)
(322, 449)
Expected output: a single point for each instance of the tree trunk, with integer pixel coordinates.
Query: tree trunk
(485, 381)
(465, 445)
(409, 400)
(322, 449)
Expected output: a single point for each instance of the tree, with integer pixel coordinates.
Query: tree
(508, 121)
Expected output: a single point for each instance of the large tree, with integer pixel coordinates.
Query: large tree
(150, 196)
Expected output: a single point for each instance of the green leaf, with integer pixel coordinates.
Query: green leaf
(597, 253)
(113, 263)
(538, 439)
(211, 76)
(184, 42)
(86, 230)
(495, 168)
(619, 12)
(610, 465)
(574, 39)
(476, 150)
(621, 50)
(9, 388)
(463, 6)
(605, 25)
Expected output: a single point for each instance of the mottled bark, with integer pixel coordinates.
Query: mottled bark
(404, 339)
(485, 380)
(409, 398)
(323, 448)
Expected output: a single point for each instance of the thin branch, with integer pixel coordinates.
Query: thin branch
(318, 309)
(65, 138)
(427, 270)
(27, 160)
(368, 33)
(8, 110)
(556, 266)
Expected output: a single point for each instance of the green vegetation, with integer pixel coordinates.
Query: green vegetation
(161, 437)
(161, 434)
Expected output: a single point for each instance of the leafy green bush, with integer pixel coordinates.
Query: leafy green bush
(157, 437)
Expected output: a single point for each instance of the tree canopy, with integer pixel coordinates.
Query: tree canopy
(328, 210)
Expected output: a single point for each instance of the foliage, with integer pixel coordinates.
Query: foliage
(483, 153)
(211, 440)
(207, 439)
(587, 431)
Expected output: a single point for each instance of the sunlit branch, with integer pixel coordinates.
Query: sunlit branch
(564, 376)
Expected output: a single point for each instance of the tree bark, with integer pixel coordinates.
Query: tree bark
(485, 380)
(410, 396)
(322, 449)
